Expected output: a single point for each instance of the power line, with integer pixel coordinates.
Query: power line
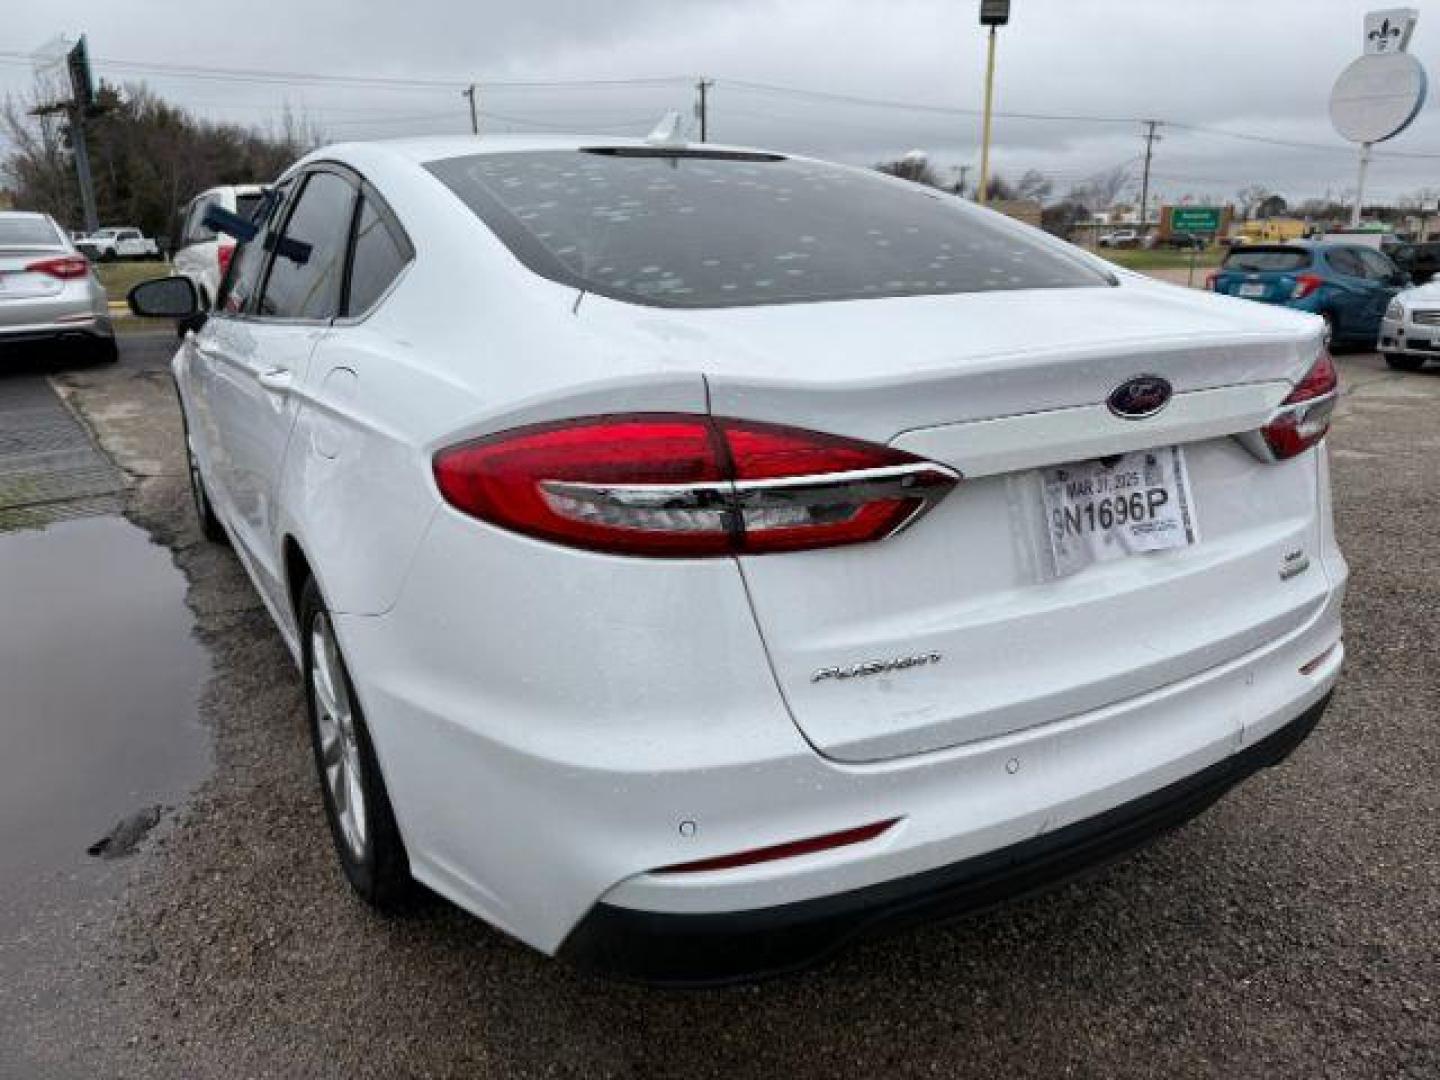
(912, 106)
(265, 76)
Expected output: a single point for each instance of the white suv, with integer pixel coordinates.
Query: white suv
(201, 254)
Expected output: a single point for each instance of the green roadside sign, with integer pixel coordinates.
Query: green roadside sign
(1195, 219)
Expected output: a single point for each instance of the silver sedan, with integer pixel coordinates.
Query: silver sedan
(48, 290)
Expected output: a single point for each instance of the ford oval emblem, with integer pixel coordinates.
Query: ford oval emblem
(1137, 398)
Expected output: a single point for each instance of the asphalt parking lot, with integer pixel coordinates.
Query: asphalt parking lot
(1292, 931)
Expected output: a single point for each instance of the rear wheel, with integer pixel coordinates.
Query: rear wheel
(362, 823)
(104, 351)
(1404, 362)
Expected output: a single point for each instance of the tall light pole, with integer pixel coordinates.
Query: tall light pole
(702, 107)
(993, 13)
(469, 92)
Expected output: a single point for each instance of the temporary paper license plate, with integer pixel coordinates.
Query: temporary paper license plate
(1118, 506)
(1252, 288)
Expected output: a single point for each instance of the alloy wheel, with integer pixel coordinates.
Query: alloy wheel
(339, 746)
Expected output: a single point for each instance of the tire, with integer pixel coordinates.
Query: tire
(210, 526)
(104, 351)
(1403, 361)
(367, 842)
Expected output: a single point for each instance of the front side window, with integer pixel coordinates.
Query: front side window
(379, 257)
(237, 292)
(718, 230)
(308, 266)
(1377, 266)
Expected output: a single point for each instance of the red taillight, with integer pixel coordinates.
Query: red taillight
(1304, 416)
(782, 851)
(66, 267)
(1305, 284)
(685, 486)
(224, 253)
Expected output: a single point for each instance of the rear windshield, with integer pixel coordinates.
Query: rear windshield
(705, 231)
(1260, 259)
(245, 205)
(27, 232)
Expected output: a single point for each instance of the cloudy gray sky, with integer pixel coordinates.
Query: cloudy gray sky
(1259, 68)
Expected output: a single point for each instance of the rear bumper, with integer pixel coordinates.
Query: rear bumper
(713, 948)
(53, 332)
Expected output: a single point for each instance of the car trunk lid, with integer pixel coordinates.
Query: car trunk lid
(962, 627)
(17, 282)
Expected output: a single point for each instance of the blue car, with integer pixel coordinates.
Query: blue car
(1347, 284)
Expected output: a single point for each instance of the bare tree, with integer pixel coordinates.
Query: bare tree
(1100, 191)
(1250, 197)
(1033, 184)
(38, 168)
(914, 166)
(147, 157)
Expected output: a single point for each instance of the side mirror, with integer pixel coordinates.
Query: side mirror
(164, 298)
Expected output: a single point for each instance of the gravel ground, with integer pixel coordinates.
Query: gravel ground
(1292, 931)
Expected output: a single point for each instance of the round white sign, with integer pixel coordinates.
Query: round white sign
(1377, 96)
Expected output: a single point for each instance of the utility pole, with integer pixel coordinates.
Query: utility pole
(1150, 139)
(82, 102)
(993, 13)
(82, 170)
(469, 92)
(702, 108)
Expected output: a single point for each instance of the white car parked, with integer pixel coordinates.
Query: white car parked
(698, 556)
(1410, 329)
(202, 254)
(118, 243)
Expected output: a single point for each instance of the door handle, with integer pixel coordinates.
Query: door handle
(276, 380)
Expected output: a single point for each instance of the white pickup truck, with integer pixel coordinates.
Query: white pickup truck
(1120, 238)
(119, 242)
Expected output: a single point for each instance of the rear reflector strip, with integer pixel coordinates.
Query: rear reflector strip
(782, 851)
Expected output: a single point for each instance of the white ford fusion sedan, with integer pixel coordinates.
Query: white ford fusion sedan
(700, 557)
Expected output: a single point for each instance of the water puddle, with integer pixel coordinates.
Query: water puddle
(100, 677)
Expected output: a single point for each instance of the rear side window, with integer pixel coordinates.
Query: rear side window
(1261, 259)
(698, 230)
(28, 232)
(380, 255)
(1345, 261)
(196, 231)
(306, 272)
(245, 205)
